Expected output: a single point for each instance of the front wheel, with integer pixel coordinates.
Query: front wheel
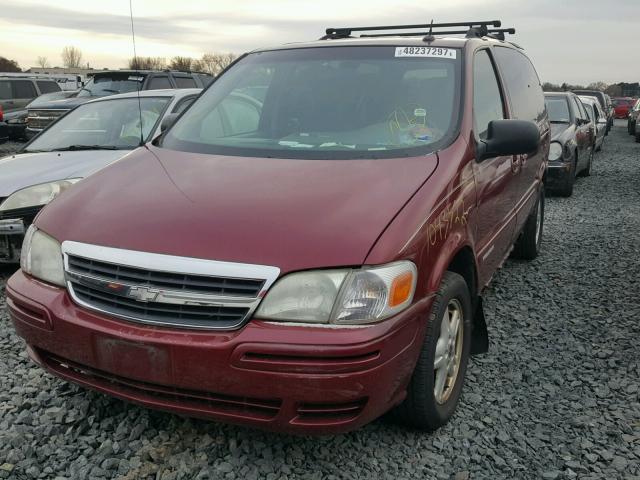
(566, 190)
(527, 246)
(587, 170)
(435, 387)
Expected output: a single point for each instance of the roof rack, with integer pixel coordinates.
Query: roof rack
(475, 29)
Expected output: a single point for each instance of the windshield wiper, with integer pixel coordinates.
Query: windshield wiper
(72, 148)
(559, 121)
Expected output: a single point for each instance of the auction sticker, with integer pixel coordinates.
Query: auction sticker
(430, 52)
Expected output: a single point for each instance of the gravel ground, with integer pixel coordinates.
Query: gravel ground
(556, 397)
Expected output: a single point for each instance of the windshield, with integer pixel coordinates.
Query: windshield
(333, 103)
(102, 85)
(558, 109)
(110, 124)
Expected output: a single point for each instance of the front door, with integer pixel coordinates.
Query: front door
(495, 177)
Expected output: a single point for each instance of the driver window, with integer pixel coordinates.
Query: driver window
(487, 99)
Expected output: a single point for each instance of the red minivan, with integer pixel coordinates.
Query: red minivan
(305, 248)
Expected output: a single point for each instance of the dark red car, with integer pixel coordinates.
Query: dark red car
(622, 106)
(305, 248)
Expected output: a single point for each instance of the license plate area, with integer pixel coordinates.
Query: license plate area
(138, 361)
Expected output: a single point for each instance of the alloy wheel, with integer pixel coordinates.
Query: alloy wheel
(448, 353)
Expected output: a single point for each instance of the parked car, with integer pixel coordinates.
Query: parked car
(597, 118)
(572, 139)
(622, 106)
(15, 93)
(633, 116)
(605, 103)
(109, 83)
(78, 144)
(306, 259)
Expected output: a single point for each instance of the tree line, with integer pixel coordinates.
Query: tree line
(613, 90)
(72, 57)
(212, 63)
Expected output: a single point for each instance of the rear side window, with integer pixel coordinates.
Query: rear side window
(185, 82)
(487, 100)
(24, 89)
(158, 83)
(523, 84)
(5, 91)
(48, 87)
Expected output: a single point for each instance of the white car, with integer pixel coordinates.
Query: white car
(598, 117)
(86, 139)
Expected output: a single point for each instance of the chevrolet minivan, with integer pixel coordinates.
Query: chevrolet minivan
(305, 248)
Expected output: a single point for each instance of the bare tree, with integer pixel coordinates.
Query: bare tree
(7, 65)
(551, 87)
(614, 90)
(42, 62)
(181, 63)
(214, 63)
(597, 86)
(147, 63)
(71, 57)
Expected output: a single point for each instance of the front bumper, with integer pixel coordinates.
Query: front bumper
(11, 236)
(269, 375)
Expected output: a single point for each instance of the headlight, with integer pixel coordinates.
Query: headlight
(37, 195)
(555, 151)
(345, 297)
(41, 257)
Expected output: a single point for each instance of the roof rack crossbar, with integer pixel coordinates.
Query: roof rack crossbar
(447, 32)
(346, 31)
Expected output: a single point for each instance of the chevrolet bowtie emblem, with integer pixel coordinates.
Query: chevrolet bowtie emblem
(143, 294)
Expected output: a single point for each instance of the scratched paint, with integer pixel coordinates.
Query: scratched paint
(452, 215)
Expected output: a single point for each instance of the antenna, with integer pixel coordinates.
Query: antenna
(135, 59)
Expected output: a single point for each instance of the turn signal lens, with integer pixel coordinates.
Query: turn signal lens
(401, 289)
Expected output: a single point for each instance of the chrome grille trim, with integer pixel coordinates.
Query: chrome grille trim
(39, 119)
(142, 302)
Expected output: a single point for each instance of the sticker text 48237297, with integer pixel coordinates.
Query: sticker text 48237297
(431, 52)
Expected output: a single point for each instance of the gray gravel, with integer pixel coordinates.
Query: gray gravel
(557, 396)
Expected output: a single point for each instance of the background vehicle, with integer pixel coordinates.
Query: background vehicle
(375, 183)
(106, 83)
(15, 93)
(88, 138)
(572, 139)
(605, 103)
(633, 117)
(622, 106)
(597, 117)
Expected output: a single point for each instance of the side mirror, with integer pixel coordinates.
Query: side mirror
(509, 137)
(168, 121)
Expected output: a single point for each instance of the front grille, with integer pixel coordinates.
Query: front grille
(194, 316)
(164, 290)
(174, 281)
(41, 119)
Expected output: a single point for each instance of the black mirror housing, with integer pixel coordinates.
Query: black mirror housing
(168, 121)
(509, 137)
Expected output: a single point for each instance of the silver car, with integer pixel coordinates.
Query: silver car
(86, 139)
(597, 117)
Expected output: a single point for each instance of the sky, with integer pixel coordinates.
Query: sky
(574, 41)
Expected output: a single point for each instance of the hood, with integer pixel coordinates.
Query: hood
(61, 103)
(559, 131)
(26, 169)
(293, 214)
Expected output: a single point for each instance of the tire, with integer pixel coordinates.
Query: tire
(637, 135)
(420, 409)
(566, 190)
(586, 172)
(527, 246)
